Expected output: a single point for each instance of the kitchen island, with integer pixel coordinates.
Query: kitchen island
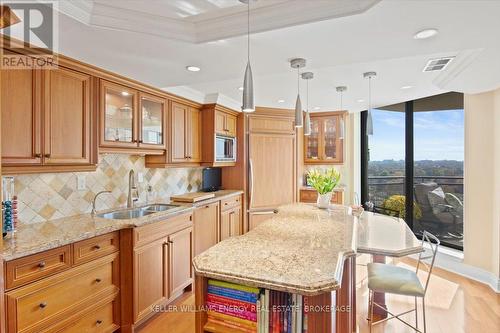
(305, 251)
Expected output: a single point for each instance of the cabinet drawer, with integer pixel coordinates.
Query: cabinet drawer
(310, 196)
(93, 248)
(41, 304)
(231, 202)
(99, 321)
(151, 232)
(24, 270)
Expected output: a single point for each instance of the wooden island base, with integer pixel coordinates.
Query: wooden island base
(340, 318)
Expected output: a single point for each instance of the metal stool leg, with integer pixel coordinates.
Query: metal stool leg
(370, 310)
(416, 314)
(423, 311)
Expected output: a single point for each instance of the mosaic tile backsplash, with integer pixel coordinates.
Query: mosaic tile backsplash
(54, 195)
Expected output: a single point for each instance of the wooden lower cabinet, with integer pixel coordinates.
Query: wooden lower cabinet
(310, 196)
(256, 218)
(230, 223)
(151, 278)
(180, 272)
(206, 227)
(101, 320)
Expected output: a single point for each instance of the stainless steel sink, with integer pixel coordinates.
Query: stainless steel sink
(159, 207)
(137, 212)
(126, 214)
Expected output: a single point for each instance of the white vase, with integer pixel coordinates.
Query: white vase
(323, 201)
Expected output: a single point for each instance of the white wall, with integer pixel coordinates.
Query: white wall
(482, 182)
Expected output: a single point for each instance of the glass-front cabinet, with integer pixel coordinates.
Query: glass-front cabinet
(325, 145)
(131, 119)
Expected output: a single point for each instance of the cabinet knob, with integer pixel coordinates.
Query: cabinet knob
(41, 264)
(140, 141)
(47, 155)
(98, 280)
(98, 322)
(42, 305)
(170, 242)
(97, 247)
(38, 155)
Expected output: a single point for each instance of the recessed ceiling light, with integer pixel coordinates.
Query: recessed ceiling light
(281, 101)
(240, 88)
(406, 87)
(193, 68)
(125, 93)
(317, 108)
(361, 100)
(424, 34)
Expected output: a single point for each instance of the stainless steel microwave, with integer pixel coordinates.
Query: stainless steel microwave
(225, 149)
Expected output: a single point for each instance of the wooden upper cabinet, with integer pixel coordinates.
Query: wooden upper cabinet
(193, 135)
(325, 145)
(131, 121)
(225, 124)
(21, 117)
(47, 121)
(185, 139)
(67, 117)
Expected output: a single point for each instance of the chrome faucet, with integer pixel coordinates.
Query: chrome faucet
(133, 195)
(95, 198)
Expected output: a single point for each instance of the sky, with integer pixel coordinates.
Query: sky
(438, 135)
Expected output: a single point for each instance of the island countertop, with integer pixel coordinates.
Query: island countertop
(302, 249)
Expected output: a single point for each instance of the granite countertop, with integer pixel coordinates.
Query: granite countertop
(38, 237)
(301, 249)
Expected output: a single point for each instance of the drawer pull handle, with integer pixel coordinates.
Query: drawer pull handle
(47, 155)
(38, 155)
(98, 322)
(42, 305)
(98, 280)
(41, 264)
(97, 247)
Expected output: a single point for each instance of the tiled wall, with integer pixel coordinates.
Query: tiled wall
(54, 195)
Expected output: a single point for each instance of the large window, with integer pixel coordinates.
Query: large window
(417, 152)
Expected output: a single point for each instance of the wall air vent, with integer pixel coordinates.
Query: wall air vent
(439, 64)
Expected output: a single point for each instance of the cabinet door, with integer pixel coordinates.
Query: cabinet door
(330, 138)
(180, 254)
(256, 218)
(235, 222)
(21, 123)
(220, 122)
(312, 142)
(151, 122)
(230, 125)
(193, 135)
(178, 145)
(67, 117)
(150, 277)
(205, 221)
(225, 225)
(118, 116)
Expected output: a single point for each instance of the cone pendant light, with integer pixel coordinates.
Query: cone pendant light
(248, 98)
(369, 120)
(341, 90)
(298, 63)
(307, 121)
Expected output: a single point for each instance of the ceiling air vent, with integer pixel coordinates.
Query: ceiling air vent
(439, 64)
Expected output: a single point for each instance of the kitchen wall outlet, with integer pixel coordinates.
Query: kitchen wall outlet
(80, 183)
(140, 177)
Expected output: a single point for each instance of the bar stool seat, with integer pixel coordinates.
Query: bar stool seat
(392, 279)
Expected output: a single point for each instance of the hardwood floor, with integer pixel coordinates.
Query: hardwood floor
(453, 304)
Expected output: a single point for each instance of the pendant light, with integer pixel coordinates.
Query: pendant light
(298, 63)
(307, 122)
(341, 90)
(248, 98)
(369, 120)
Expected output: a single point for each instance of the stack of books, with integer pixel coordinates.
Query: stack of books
(232, 307)
(280, 312)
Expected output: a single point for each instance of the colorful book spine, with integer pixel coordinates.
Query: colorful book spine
(233, 320)
(251, 307)
(234, 286)
(232, 311)
(232, 326)
(231, 293)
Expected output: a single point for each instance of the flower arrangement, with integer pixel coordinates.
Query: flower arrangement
(323, 180)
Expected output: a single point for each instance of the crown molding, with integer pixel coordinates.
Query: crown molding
(205, 28)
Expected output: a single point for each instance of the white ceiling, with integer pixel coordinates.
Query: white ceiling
(367, 36)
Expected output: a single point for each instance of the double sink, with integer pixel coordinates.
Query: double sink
(134, 213)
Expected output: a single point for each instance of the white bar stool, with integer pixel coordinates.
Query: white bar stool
(390, 279)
